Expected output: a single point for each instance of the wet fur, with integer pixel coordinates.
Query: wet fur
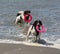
(32, 30)
(20, 16)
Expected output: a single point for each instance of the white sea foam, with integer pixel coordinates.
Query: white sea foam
(28, 43)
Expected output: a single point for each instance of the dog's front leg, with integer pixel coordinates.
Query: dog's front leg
(29, 32)
(39, 36)
(28, 35)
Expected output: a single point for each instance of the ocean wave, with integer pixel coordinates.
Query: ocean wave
(28, 43)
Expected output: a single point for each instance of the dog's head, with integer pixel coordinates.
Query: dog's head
(37, 22)
(27, 12)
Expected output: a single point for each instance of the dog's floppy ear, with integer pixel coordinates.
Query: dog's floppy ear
(27, 12)
(18, 14)
(40, 22)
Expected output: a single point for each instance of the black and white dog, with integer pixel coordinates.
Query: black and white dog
(32, 30)
(20, 16)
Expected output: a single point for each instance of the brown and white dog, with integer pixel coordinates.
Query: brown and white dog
(32, 30)
(20, 16)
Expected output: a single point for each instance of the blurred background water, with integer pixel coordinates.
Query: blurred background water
(46, 10)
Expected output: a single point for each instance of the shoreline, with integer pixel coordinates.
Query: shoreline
(28, 43)
(49, 45)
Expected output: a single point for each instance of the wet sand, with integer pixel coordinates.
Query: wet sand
(24, 49)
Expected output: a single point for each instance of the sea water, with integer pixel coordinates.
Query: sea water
(48, 11)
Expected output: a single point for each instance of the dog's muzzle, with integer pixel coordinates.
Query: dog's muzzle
(19, 22)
